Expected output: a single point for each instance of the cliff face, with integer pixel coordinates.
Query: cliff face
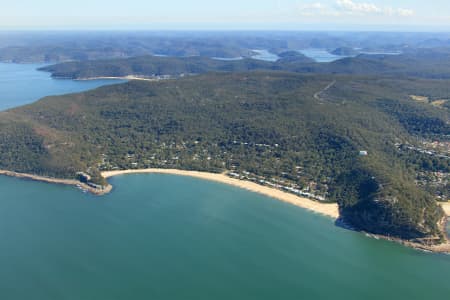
(389, 206)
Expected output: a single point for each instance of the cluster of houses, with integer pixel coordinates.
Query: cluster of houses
(423, 151)
(287, 188)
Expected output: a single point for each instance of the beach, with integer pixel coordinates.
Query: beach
(446, 207)
(327, 209)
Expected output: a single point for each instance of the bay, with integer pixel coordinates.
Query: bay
(171, 237)
(22, 84)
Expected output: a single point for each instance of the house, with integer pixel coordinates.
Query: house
(83, 177)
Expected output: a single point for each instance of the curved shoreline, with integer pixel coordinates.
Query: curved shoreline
(327, 209)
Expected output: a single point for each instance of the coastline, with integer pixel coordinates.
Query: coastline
(71, 182)
(446, 208)
(327, 209)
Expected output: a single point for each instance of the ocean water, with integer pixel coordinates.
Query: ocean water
(22, 84)
(172, 237)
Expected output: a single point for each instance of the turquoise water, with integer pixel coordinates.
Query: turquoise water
(171, 237)
(22, 84)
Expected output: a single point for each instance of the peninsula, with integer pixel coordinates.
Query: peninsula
(361, 144)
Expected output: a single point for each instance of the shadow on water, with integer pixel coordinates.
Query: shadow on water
(340, 222)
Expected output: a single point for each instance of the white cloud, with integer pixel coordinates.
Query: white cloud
(350, 7)
(312, 6)
(358, 7)
(404, 12)
(317, 8)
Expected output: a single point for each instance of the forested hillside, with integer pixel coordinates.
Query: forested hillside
(308, 133)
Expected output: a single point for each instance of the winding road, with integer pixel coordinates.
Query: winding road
(317, 95)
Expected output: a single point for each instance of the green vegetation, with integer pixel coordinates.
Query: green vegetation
(264, 126)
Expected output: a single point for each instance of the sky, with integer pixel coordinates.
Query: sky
(414, 15)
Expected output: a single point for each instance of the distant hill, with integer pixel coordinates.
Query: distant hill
(148, 66)
(293, 57)
(420, 63)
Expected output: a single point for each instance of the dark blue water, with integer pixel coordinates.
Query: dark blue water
(22, 84)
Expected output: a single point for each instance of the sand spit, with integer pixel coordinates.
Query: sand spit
(72, 182)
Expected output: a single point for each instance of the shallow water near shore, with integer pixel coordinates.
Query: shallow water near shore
(23, 84)
(172, 237)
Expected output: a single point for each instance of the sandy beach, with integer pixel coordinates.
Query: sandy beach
(446, 207)
(328, 209)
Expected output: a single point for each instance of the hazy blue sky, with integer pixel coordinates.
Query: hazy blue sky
(230, 14)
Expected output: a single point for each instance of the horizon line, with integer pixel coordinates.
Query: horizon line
(277, 30)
